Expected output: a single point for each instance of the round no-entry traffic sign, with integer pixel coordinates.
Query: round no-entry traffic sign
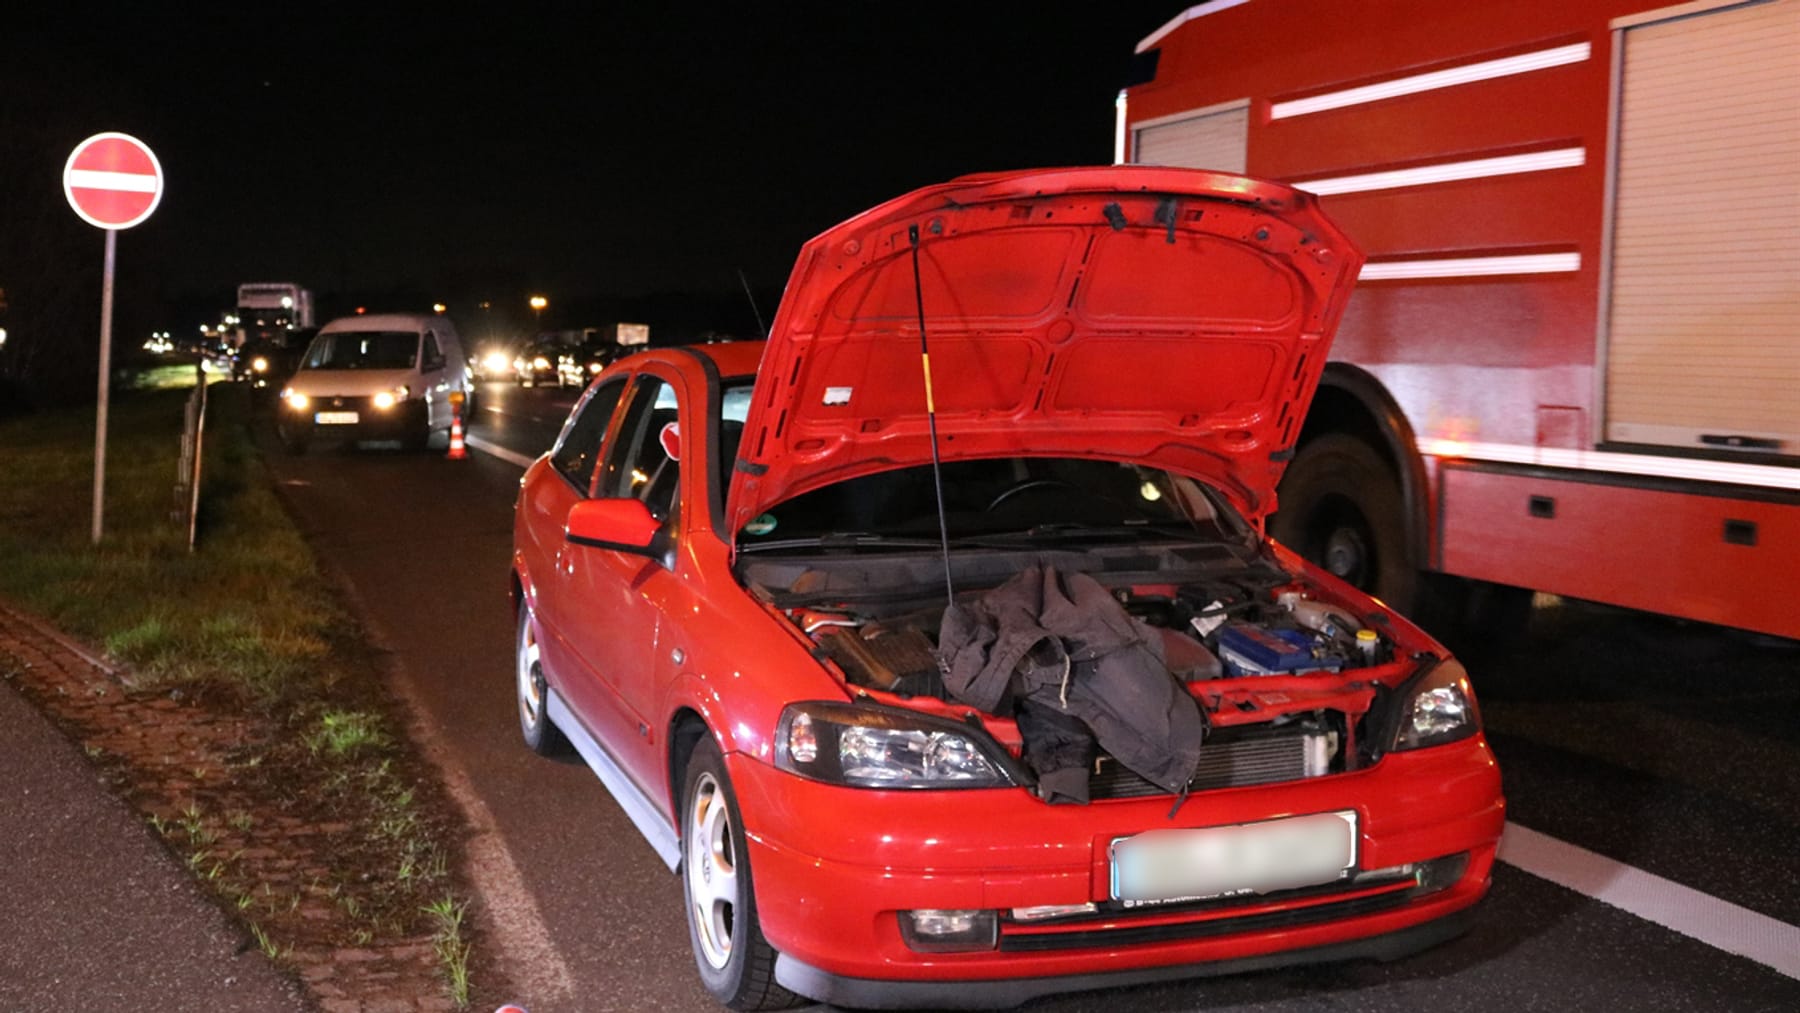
(113, 180)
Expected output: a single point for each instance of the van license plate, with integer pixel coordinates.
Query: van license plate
(335, 418)
(1159, 866)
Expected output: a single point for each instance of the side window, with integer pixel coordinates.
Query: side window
(642, 463)
(578, 451)
(431, 357)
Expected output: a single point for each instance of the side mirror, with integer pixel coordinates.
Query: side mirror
(625, 525)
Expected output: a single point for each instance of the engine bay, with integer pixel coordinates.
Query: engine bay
(1285, 673)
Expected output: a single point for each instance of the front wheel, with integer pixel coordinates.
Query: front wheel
(294, 437)
(1340, 507)
(539, 732)
(737, 965)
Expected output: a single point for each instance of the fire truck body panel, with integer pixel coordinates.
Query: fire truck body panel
(1574, 342)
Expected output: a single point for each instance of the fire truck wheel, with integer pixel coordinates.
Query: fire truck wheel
(1341, 509)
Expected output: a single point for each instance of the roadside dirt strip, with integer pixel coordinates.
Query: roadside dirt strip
(194, 774)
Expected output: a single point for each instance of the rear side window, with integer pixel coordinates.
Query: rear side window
(579, 450)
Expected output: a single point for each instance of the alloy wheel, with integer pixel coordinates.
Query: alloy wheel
(711, 870)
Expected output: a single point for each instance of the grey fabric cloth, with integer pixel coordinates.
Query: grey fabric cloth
(1092, 661)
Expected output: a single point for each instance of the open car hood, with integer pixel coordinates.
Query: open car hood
(1175, 317)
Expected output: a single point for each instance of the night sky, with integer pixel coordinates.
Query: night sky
(622, 151)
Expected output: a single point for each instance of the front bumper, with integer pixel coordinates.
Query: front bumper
(403, 420)
(865, 993)
(834, 866)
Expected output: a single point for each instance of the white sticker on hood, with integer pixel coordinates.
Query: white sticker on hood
(838, 395)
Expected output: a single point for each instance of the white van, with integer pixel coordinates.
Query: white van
(386, 376)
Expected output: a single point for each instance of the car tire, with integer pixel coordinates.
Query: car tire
(736, 964)
(1340, 508)
(540, 733)
(293, 438)
(418, 439)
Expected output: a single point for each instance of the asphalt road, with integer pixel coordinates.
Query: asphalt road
(1673, 748)
(61, 944)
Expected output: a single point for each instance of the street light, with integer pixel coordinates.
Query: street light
(538, 303)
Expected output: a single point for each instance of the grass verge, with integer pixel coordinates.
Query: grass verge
(287, 788)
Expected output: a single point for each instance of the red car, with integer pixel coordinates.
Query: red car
(937, 643)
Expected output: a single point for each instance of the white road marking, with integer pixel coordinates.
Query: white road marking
(531, 957)
(496, 450)
(1717, 923)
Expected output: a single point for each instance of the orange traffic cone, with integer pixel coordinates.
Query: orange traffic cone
(457, 451)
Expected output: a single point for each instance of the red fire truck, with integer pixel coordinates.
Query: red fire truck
(1573, 360)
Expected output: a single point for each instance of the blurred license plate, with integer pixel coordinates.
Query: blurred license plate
(1167, 865)
(335, 418)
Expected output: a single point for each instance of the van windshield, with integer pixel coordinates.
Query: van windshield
(364, 350)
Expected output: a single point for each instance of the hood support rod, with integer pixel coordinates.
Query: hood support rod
(937, 472)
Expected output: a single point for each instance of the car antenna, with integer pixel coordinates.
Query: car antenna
(760, 328)
(937, 466)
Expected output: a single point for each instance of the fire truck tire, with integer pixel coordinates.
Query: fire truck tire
(1341, 509)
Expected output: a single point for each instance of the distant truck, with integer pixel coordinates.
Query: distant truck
(1571, 361)
(264, 307)
(275, 321)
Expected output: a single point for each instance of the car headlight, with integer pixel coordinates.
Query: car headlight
(295, 400)
(1436, 706)
(389, 398)
(540, 363)
(884, 747)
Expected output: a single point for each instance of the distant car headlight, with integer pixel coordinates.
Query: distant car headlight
(540, 363)
(495, 362)
(389, 398)
(1438, 706)
(884, 747)
(259, 364)
(295, 400)
(595, 367)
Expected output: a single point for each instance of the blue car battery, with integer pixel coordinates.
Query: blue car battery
(1255, 650)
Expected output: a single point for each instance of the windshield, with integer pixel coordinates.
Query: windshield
(364, 350)
(1028, 498)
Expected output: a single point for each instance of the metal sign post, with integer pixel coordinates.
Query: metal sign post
(106, 299)
(113, 181)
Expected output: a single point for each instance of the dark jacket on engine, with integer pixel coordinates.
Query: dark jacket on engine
(1063, 653)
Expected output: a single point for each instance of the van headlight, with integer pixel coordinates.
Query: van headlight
(389, 398)
(1436, 706)
(295, 400)
(885, 747)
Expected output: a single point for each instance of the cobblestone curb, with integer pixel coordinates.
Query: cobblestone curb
(169, 757)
